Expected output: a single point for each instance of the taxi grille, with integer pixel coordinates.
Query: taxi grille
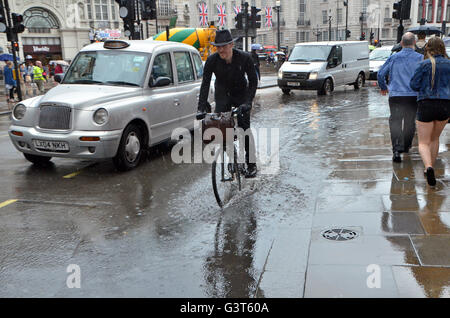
(296, 76)
(54, 117)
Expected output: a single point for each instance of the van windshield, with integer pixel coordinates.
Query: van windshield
(117, 68)
(310, 53)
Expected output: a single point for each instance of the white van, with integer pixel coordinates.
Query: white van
(322, 66)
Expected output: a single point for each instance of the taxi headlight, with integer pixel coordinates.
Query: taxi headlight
(280, 74)
(101, 116)
(19, 111)
(313, 75)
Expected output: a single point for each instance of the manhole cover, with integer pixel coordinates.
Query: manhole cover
(339, 234)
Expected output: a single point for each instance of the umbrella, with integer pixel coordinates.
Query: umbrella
(257, 47)
(7, 57)
(61, 62)
(428, 29)
(280, 53)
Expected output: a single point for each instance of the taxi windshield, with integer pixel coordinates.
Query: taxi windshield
(380, 55)
(121, 68)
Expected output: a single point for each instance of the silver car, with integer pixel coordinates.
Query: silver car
(116, 99)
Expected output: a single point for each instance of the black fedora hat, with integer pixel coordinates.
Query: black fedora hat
(223, 37)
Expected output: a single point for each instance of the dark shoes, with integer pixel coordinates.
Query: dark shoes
(250, 172)
(396, 157)
(430, 177)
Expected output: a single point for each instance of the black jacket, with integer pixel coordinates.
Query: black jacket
(230, 79)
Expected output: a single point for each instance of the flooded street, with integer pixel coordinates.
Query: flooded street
(157, 230)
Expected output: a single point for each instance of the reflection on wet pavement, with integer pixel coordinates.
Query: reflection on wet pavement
(156, 231)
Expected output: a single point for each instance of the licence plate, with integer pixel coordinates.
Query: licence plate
(51, 145)
(293, 83)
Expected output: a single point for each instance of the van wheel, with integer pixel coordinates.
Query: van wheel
(286, 91)
(359, 81)
(327, 87)
(130, 149)
(37, 160)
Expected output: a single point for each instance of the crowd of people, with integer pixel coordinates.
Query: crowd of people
(32, 74)
(419, 97)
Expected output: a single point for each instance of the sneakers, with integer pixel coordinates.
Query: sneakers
(430, 176)
(251, 170)
(396, 157)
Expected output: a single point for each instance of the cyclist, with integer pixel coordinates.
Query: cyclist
(231, 86)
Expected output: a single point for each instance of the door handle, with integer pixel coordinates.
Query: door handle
(176, 102)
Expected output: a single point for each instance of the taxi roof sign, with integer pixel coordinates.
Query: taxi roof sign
(115, 44)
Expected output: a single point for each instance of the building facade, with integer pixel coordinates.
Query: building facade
(58, 29)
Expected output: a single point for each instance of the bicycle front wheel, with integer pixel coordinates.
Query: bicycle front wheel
(225, 176)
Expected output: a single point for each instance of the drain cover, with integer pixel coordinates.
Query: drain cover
(339, 234)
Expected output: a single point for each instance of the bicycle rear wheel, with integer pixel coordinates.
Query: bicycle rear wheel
(225, 176)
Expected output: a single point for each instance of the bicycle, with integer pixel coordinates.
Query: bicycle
(226, 171)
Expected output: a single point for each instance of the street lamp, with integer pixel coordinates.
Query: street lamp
(329, 26)
(346, 19)
(277, 8)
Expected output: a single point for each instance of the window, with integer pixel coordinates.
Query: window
(439, 11)
(448, 12)
(325, 36)
(336, 52)
(184, 67)
(164, 6)
(113, 10)
(339, 14)
(385, 33)
(324, 17)
(89, 9)
(198, 65)
(387, 13)
(162, 67)
(430, 11)
(101, 9)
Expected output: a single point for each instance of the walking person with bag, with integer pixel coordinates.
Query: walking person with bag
(432, 81)
(400, 69)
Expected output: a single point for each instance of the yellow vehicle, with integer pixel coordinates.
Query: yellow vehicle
(200, 38)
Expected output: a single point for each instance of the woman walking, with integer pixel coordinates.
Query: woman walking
(10, 82)
(432, 81)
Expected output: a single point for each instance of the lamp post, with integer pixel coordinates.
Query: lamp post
(277, 7)
(317, 33)
(346, 18)
(329, 26)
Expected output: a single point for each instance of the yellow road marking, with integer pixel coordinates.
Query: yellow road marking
(3, 136)
(7, 202)
(71, 175)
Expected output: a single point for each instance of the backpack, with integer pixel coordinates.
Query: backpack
(420, 50)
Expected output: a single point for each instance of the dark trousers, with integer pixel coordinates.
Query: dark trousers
(224, 104)
(11, 93)
(402, 122)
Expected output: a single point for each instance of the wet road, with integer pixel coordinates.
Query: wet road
(157, 231)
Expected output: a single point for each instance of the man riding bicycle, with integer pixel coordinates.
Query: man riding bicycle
(231, 86)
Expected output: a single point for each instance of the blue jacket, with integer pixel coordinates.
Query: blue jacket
(8, 74)
(421, 81)
(400, 69)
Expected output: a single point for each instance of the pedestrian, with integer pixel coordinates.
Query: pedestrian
(10, 82)
(400, 69)
(38, 76)
(432, 81)
(30, 71)
(231, 67)
(255, 59)
(421, 42)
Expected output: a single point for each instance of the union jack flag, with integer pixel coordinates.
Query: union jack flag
(269, 17)
(237, 9)
(222, 14)
(203, 14)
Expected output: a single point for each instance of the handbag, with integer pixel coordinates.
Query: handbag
(220, 121)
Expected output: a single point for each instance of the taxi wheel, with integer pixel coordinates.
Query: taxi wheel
(37, 160)
(130, 149)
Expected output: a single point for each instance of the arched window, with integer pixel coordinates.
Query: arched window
(39, 20)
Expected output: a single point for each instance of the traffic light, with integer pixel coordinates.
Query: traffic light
(148, 10)
(17, 20)
(406, 9)
(15, 46)
(372, 36)
(363, 36)
(255, 19)
(128, 14)
(397, 13)
(238, 18)
(3, 27)
(347, 34)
